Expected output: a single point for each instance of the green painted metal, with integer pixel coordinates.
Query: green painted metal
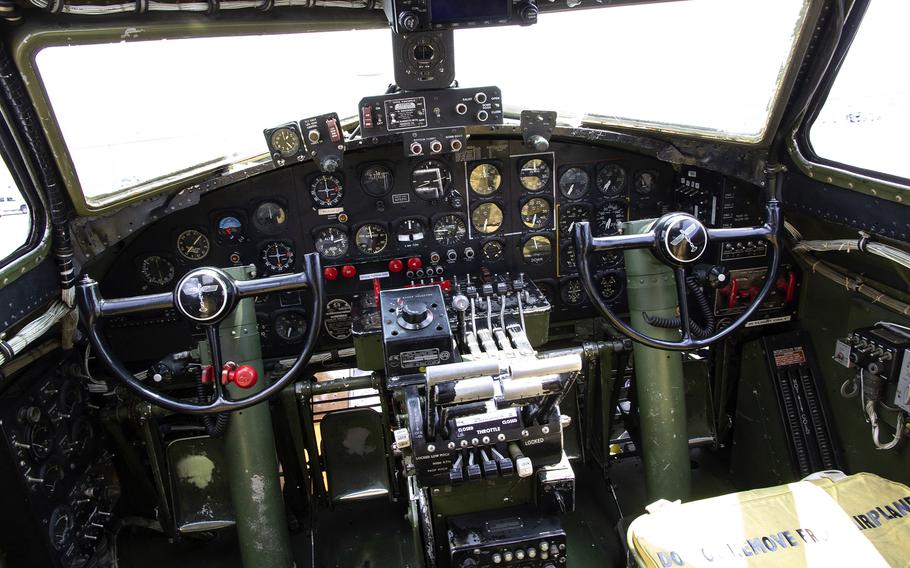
(658, 376)
(249, 448)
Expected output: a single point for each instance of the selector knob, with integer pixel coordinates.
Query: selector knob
(414, 315)
(460, 302)
(408, 20)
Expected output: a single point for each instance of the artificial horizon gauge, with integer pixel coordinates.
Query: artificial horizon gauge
(611, 180)
(572, 292)
(431, 179)
(449, 229)
(492, 250)
(537, 249)
(156, 270)
(645, 182)
(286, 141)
(377, 180)
(573, 183)
(290, 325)
(269, 217)
(230, 228)
(534, 174)
(371, 238)
(327, 190)
(193, 245)
(331, 242)
(611, 286)
(487, 218)
(571, 214)
(411, 233)
(278, 256)
(485, 179)
(609, 218)
(536, 213)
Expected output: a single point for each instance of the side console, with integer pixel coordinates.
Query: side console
(62, 484)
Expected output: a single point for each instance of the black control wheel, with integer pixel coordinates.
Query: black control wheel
(678, 240)
(205, 296)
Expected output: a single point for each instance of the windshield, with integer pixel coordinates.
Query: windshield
(133, 112)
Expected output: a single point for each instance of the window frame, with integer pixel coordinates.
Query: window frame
(17, 159)
(847, 176)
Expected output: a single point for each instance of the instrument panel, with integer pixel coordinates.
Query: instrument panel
(384, 221)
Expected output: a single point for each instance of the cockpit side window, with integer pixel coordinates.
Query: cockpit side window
(15, 215)
(863, 123)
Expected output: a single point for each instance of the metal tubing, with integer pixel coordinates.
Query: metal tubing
(658, 376)
(249, 449)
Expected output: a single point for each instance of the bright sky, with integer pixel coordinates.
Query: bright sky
(133, 111)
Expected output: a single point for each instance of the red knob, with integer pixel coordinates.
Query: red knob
(446, 285)
(348, 271)
(330, 273)
(415, 263)
(396, 265)
(243, 376)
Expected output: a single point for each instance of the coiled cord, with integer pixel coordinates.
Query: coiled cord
(215, 425)
(704, 306)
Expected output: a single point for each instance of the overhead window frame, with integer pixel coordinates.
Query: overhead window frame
(847, 176)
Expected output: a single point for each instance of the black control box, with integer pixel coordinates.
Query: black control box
(407, 111)
(877, 350)
(415, 329)
(417, 15)
(511, 537)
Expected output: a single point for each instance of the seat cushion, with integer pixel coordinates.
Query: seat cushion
(857, 520)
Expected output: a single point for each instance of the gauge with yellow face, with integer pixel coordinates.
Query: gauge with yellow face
(537, 249)
(487, 218)
(285, 141)
(536, 213)
(485, 179)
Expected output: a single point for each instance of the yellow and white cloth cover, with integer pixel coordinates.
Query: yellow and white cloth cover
(823, 521)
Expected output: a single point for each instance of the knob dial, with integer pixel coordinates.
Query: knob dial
(408, 20)
(414, 315)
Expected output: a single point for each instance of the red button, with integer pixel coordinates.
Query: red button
(243, 376)
(415, 263)
(348, 271)
(445, 285)
(330, 273)
(396, 265)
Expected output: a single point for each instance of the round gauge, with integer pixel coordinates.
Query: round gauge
(571, 214)
(331, 242)
(573, 183)
(51, 474)
(290, 326)
(492, 250)
(60, 527)
(572, 292)
(611, 180)
(485, 179)
(278, 256)
(269, 217)
(40, 440)
(411, 233)
(568, 258)
(193, 245)
(537, 249)
(535, 213)
(611, 285)
(609, 217)
(534, 174)
(377, 180)
(450, 229)
(371, 238)
(645, 182)
(285, 141)
(229, 228)
(610, 259)
(156, 270)
(431, 179)
(327, 190)
(486, 218)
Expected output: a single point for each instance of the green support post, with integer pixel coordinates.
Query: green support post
(249, 448)
(658, 375)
